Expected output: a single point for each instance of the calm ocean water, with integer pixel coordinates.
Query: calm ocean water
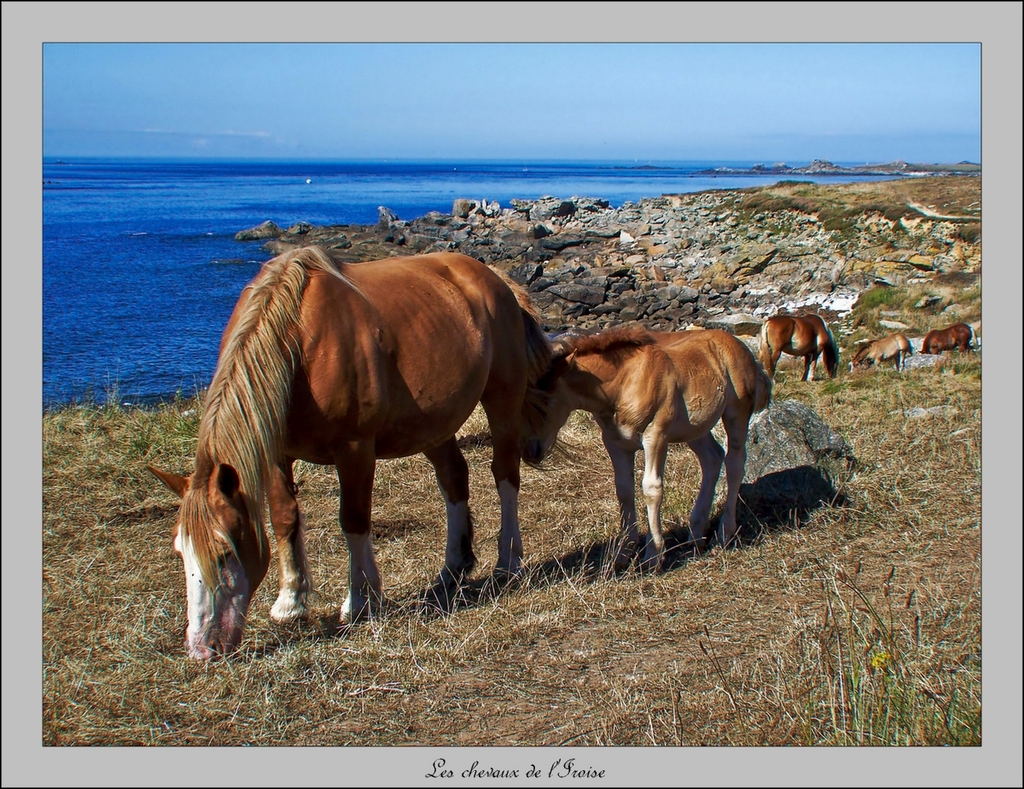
(141, 269)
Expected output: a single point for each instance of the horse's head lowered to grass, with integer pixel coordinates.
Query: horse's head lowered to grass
(224, 555)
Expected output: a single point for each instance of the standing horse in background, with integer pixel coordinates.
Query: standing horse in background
(341, 364)
(959, 335)
(807, 336)
(895, 346)
(646, 391)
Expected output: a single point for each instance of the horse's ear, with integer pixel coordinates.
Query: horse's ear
(227, 480)
(560, 349)
(174, 482)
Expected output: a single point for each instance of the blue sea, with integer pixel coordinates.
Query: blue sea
(141, 269)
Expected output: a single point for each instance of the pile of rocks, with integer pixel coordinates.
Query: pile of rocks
(668, 262)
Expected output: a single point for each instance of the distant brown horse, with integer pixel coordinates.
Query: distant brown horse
(341, 364)
(646, 391)
(807, 336)
(959, 335)
(895, 346)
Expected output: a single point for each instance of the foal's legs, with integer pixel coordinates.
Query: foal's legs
(623, 458)
(655, 455)
(711, 455)
(293, 569)
(355, 474)
(736, 426)
(453, 480)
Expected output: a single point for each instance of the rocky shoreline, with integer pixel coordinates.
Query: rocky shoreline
(715, 259)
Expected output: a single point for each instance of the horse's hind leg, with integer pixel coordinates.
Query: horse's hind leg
(453, 480)
(711, 456)
(355, 475)
(293, 569)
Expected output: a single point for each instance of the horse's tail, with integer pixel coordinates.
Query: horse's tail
(538, 346)
(831, 351)
(764, 350)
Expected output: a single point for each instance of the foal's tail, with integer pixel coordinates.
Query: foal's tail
(762, 391)
(764, 350)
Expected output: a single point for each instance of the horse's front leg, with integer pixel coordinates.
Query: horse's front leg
(355, 475)
(810, 365)
(293, 568)
(505, 470)
(453, 479)
(623, 458)
(710, 455)
(655, 455)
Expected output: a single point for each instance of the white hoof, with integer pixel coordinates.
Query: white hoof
(289, 607)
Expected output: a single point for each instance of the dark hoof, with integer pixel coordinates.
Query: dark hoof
(440, 599)
(501, 580)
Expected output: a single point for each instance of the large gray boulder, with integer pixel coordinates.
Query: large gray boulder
(795, 465)
(788, 435)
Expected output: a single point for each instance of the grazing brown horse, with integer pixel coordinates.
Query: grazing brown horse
(895, 346)
(646, 391)
(341, 364)
(959, 335)
(807, 336)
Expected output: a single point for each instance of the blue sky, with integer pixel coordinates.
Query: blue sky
(653, 102)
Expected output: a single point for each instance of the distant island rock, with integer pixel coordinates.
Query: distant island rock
(823, 167)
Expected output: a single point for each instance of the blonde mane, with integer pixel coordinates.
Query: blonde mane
(247, 403)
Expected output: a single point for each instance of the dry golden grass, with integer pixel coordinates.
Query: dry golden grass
(856, 621)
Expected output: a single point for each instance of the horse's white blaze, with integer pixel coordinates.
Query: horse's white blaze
(216, 617)
(200, 600)
(510, 543)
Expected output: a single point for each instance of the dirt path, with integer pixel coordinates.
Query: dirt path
(933, 215)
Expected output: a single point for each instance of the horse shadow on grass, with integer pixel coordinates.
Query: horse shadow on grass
(777, 502)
